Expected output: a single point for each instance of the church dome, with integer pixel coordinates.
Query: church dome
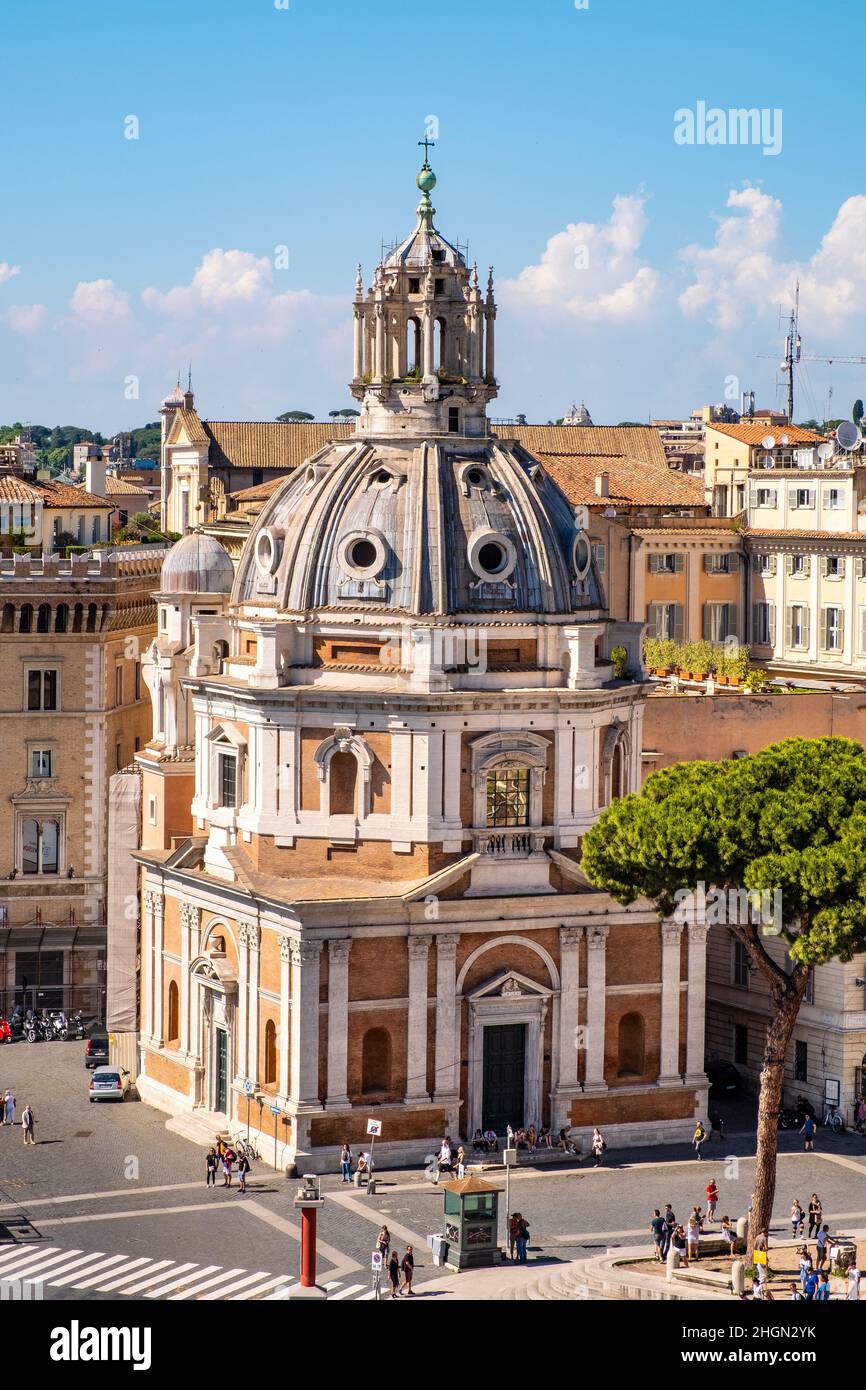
(198, 564)
(419, 529)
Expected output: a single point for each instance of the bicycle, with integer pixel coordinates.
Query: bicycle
(833, 1120)
(246, 1148)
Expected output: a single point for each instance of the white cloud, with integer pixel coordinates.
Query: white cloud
(7, 271)
(25, 318)
(223, 279)
(738, 276)
(99, 301)
(591, 270)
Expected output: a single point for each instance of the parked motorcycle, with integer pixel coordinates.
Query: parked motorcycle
(5, 1029)
(788, 1119)
(79, 1025)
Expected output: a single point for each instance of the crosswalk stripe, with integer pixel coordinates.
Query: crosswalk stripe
(156, 1267)
(365, 1296)
(24, 1252)
(102, 1265)
(103, 1268)
(74, 1264)
(345, 1293)
(197, 1288)
(174, 1284)
(47, 1257)
(261, 1288)
(126, 1274)
(281, 1294)
(88, 1268)
(238, 1284)
(159, 1272)
(174, 1280)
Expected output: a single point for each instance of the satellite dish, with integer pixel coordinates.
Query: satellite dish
(784, 440)
(848, 435)
(768, 442)
(826, 450)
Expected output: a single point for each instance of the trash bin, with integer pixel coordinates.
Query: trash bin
(439, 1247)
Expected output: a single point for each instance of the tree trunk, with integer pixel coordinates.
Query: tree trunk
(779, 1032)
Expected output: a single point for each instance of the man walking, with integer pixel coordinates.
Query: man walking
(9, 1108)
(407, 1265)
(657, 1228)
(243, 1169)
(522, 1240)
(28, 1124)
(808, 1133)
(699, 1138)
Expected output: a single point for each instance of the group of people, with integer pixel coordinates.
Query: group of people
(363, 1167)
(518, 1237)
(395, 1266)
(7, 1116)
(221, 1157)
(685, 1237)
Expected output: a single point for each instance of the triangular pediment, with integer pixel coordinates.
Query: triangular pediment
(509, 984)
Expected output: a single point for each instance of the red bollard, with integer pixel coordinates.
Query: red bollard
(308, 1247)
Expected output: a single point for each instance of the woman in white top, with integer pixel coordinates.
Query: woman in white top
(693, 1238)
(853, 1282)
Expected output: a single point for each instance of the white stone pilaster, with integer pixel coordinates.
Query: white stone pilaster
(305, 1023)
(241, 1041)
(570, 1038)
(158, 934)
(596, 983)
(285, 1082)
(189, 928)
(669, 1062)
(416, 1029)
(446, 1017)
(338, 1020)
(253, 1005)
(696, 1002)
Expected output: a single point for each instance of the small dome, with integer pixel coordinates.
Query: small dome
(198, 564)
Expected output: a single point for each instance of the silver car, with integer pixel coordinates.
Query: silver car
(109, 1083)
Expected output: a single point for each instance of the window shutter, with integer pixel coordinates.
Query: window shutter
(773, 564)
(733, 562)
(825, 637)
(756, 564)
(789, 564)
(651, 621)
(756, 618)
(707, 631)
(840, 625)
(772, 610)
(753, 496)
(807, 566)
(841, 566)
(861, 567)
(824, 566)
(805, 627)
(679, 561)
(789, 625)
(653, 562)
(863, 629)
(708, 564)
(792, 499)
(810, 492)
(678, 622)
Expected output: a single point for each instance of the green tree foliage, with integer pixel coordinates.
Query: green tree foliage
(294, 416)
(857, 412)
(790, 820)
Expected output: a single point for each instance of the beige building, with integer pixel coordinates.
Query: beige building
(37, 512)
(735, 454)
(72, 710)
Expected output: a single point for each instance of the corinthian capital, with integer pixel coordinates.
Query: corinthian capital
(596, 936)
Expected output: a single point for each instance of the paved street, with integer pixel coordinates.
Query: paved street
(109, 1204)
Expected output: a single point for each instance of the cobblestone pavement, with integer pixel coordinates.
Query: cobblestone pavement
(109, 1204)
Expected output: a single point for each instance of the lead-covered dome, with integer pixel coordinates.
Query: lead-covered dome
(431, 529)
(198, 564)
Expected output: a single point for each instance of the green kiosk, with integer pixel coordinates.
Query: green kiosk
(471, 1223)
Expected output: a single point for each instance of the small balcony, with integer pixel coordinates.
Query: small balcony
(511, 842)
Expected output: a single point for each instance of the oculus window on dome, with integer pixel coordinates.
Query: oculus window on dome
(363, 554)
(581, 555)
(492, 556)
(269, 549)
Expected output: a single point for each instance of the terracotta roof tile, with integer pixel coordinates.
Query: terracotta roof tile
(590, 441)
(51, 494)
(749, 433)
(268, 444)
(795, 536)
(630, 481)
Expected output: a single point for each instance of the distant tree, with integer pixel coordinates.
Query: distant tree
(521, 419)
(810, 425)
(857, 413)
(630, 425)
(349, 414)
(293, 417)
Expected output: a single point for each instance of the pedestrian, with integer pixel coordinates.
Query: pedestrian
(693, 1238)
(228, 1162)
(796, 1293)
(699, 1217)
(28, 1124)
(805, 1265)
(816, 1212)
(522, 1240)
(729, 1234)
(822, 1293)
(808, 1133)
(243, 1169)
(598, 1147)
(678, 1241)
(211, 1165)
(9, 1108)
(443, 1159)
(712, 1199)
(821, 1242)
(670, 1221)
(346, 1162)
(394, 1274)
(657, 1230)
(407, 1265)
(383, 1243)
(716, 1124)
(853, 1294)
(513, 1226)
(461, 1162)
(810, 1286)
(699, 1138)
(797, 1218)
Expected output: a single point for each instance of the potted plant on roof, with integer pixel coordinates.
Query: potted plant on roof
(667, 656)
(738, 665)
(652, 654)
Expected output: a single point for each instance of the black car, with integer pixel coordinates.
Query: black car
(96, 1051)
(724, 1079)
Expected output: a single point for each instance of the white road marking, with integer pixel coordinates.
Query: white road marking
(74, 1264)
(238, 1284)
(154, 1270)
(70, 1278)
(345, 1293)
(261, 1288)
(93, 1278)
(150, 1279)
(35, 1261)
(197, 1288)
(174, 1284)
(126, 1273)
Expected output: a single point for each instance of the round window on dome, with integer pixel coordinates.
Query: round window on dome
(473, 475)
(362, 554)
(491, 555)
(269, 548)
(581, 555)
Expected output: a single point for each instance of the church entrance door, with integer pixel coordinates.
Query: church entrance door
(504, 1076)
(222, 1071)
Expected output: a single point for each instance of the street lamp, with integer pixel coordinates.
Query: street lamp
(308, 1200)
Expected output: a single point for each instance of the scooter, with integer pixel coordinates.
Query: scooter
(5, 1030)
(78, 1025)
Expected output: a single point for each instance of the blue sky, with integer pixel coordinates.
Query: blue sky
(262, 127)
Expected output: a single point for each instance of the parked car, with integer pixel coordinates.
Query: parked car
(96, 1051)
(724, 1079)
(109, 1083)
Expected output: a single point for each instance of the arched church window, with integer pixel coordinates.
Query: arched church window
(25, 622)
(8, 618)
(61, 617)
(413, 345)
(173, 1013)
(376, 1061)
(631, 1045)
(43, 618)
(508, 796)
(270, 1053)
(617, 770)
(343, 784)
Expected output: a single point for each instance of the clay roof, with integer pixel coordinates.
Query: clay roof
(750, 433)
(192, 426)
(701, 525)
(590, 441)
(51, 494)
(470, 1184)
(115, 486)
(794, 536)
(260, 493)
(630, 481)
(269, 444)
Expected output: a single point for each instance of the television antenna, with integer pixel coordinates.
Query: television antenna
(794, 353)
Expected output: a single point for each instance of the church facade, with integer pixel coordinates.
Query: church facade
(376, 747)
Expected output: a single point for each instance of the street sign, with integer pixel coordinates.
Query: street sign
(275, 1109)
(248, 1088)
(374, 1127)
(376, 1261)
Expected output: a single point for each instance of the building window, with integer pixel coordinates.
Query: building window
(801, 1060)
(809, 994)
(258, 477)
(343, 784)
(227, 765)
(118, 684)
(834, 499)
(508, 796)
(798, 566)
(151, 810)
(270, 1053)
(40, 762)
(376, 1061)
(764, 624)
(833, 629)
(665, 620)
(40, 846)
(94, 529)
(118, 755)
(741, 1044)
(798, 625)
(631, 1045)
(765, 497)
(764, 564)
(414, 285)
(833, 566)
(742, 972)
(453, 419)
(721, 564)
(599, 555)
(665, 564)
(42, 690)
(720, 621)
(803, 497)
(173, 1013)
